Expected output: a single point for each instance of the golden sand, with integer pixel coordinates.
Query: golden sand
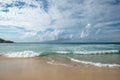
(44, 69)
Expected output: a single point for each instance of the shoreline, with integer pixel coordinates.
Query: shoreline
(43, 68)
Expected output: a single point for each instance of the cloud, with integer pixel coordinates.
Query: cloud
(29, 34)
(103, 24)
(44, 20)
(27, 17)
(86, 31)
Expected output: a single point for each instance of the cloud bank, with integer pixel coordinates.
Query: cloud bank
(56, 20)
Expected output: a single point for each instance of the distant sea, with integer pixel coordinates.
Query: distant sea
(97, 54)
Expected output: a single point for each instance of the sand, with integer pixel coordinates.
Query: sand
(45, 69)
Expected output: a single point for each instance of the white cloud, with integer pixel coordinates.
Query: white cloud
(86, 31)
(103, 24)
(54, 35)
(33, 19)
(29, 34)
(67, 18)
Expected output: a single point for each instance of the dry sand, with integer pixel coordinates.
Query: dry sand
(42, 69)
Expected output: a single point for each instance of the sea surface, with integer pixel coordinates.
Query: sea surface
(101, 55)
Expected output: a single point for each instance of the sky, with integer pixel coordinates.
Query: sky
(60, 20)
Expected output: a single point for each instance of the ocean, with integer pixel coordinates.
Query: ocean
(101, 55)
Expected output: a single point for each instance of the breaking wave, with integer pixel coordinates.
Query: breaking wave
(25, 54)
(95, 64)
(97, 52)
(22, 54)
(44, 53)
(62, 52)
(89, 52)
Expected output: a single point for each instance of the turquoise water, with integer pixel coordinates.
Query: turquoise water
(96, 53)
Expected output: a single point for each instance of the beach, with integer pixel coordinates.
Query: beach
(43, 68)
(59, 39)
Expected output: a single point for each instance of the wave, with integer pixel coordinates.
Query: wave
(97, 52)
(89, 52)
(26, 54)
(44, 53)
(95, 64)
(62, 52)
(22, 54)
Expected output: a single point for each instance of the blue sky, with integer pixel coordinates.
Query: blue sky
(60, 20)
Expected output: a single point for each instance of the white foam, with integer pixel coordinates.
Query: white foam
(56, 63)
(96, 52)
(22, 54)
(95, 64)
(88, 52)
(62, 52)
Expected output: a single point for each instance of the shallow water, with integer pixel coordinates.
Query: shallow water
(106, 54)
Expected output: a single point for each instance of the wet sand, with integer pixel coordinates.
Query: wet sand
(45, 69)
